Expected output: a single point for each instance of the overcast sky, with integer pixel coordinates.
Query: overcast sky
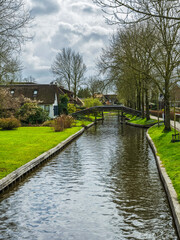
(78, 24)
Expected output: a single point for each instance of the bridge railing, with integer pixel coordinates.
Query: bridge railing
(107, 108)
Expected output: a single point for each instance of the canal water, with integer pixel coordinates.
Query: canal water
(103, 186)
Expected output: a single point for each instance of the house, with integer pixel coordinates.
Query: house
(111, 99)
(100, 97)
(46, 94)
(71, 97)
(107, 99)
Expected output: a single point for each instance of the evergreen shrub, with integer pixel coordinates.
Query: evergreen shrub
(31, 113)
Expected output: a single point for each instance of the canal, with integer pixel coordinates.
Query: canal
(104, 185)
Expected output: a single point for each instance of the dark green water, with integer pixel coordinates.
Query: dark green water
(104, 185)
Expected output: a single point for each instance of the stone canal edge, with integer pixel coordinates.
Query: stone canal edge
(168, 186)
(22, 171)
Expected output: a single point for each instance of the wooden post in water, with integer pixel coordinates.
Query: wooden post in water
(122, 116)
(95, 118)
(102, 116)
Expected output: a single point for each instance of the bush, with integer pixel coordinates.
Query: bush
(69, 121)
(62, 122)
(63, 104)
(71, 108)
(92, 102)
(9, 123)
(31, 113)
(48, 123)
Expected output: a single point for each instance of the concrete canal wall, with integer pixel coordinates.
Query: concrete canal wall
(21, 172)
(170, 191)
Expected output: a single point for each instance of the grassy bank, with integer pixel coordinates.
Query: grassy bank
(169, 154)
(17, 147)
(140, 121)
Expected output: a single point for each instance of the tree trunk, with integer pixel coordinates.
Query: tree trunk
(147, 104)
(142, 102)
(69, 86)
(138, 98)
(75, 90)
(167, 109)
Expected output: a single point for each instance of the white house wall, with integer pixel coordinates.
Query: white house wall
(51, 109)
(51, 106)
(55, 100)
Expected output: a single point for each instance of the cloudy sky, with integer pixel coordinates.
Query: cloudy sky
(78, 24)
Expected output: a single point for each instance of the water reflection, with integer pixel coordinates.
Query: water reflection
(105, 185)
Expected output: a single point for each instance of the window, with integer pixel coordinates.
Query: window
(12, 92)
(47, 108)
(35, 92)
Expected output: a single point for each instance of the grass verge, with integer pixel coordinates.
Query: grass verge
(92, 117)
(17, 147)
(140, 121)
(169, 154)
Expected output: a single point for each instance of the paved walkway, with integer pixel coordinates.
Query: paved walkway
(172, 122)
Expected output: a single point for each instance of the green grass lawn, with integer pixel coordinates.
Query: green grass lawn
(140, 121)
(92, 117)
(169, 154)
(17, 147)
(115, 113)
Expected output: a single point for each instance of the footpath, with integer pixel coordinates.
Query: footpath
(172, 122)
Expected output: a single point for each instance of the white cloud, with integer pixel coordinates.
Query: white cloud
(78, 24)
(44, 7)
(84, 8)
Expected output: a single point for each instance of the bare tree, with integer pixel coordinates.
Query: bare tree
(164, 16)
(78, 70)
(61, 67)
(167, 59)
(9, 68)
(127, 62)
(69, 68)
(29, 79)
(128, 11)
(14, 19)
(95, 85)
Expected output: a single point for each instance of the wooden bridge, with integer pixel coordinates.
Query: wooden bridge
(107, 108)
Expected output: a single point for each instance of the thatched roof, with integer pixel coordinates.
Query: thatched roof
(45, 93)
(68, 92)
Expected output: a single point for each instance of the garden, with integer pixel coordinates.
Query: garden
(26, 132)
